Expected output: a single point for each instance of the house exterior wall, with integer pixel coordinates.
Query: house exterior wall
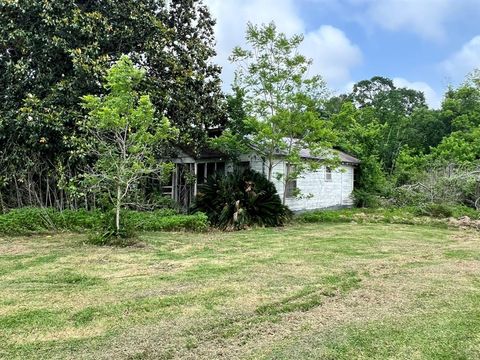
(316, 191)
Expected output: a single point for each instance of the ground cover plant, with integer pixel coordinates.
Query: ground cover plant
(329, 291)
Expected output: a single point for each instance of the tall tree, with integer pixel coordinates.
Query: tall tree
(281, 102)
(362, 137)
(392, 106)
(186, 86)
(461, 110)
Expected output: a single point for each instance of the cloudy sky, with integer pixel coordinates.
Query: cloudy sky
(422, 44)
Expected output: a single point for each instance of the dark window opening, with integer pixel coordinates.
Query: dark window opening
(201, 173)
(221, 168)
(291, 188)
(328, 174)
(204, 170)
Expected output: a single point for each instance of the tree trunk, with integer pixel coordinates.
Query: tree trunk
(286, 178)
(2, 206)
(270, 169)
(117, 209)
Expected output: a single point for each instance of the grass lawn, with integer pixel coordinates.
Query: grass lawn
(304, 292)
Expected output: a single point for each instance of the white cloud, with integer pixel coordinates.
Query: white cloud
(467, 59)
(424, 17)
(427, 18)
(332, 52)
(431, 96)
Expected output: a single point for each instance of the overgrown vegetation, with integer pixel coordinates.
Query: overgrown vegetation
(428, 214)
(28, 221)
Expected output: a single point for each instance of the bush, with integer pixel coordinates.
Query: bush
(434, 210)
(241, 199)
(26, 220)
(366, 199)
(462, 210)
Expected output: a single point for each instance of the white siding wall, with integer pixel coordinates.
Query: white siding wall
(316, 192)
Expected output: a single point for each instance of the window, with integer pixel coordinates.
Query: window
(243, 165)
(210, 169)
(328, 174)
(201, 176)
(204, 170)
(291, 185)
(220, 168)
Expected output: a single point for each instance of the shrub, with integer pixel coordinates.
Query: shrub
(26, 220)
(462, 210)
(434, 210)
(241, 199)
(366, 199)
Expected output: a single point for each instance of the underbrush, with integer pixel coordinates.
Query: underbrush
(26, 221)
(429, 214)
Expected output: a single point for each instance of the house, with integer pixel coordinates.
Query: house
(320, 189)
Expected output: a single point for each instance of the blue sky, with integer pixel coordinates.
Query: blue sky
(422, 44)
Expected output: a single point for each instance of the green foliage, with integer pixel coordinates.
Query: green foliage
(241, 199)
(391, 107)
(55, 52)
(27, 221)
(328, 216)
(167, 220)
(367, 199)
(434, 210)
(361, 137)
(109, 234)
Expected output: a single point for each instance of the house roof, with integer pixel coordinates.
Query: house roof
(344, 157)
(203, 154)
(210, 154)
(307, 154)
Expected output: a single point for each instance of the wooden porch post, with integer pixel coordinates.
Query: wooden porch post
(195, 171)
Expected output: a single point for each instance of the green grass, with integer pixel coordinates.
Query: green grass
(311, 291)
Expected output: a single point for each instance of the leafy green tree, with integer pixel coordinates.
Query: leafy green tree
(366, 92)
(280, 101)
(184, 82)
(126, 131)
(461, 112)
(426, 130)
(362, 137)
(392, 106)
